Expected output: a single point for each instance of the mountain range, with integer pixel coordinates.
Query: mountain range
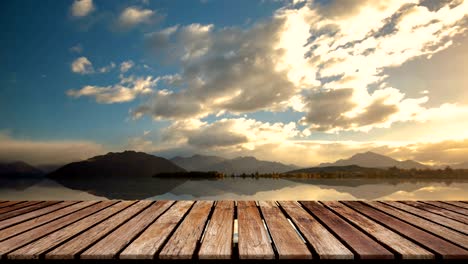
(374, 160)
(19, 169)
(236, 166)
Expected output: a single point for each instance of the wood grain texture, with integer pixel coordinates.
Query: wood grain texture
(151, 240)
(34, 214)
(34, 249)
(71, 248)
(450, 207)
(447, 222)
(405, 248)
(10, 210)
(253, 242)
(36, 233)
(324, 243)
(457, 203)
(183, 242)
(364, 246)
(108, 247)
(9, 203)
(445, 249)
(287, 242)
(442, 231)
(35, 222)
(440, 211)
(25, 210)
(217, 243)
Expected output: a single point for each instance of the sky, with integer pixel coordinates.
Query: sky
(295, 81)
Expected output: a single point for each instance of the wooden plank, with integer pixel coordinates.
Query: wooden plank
(35, 222)
(440, 211)
(457, 203)
(34, 249)
(151, 240)
(324, 243)
(10, 209)
(450, 207)
(253, 242)
(22, 239)
(27, 209)
(217, 243)
(364, 246)
(442, 231)
(442, 247)
(183, 242)
(9, 203)
(405, 248)
(109, 246)
(79, 243)
(455, 225)
(287, 242)
(34, 214)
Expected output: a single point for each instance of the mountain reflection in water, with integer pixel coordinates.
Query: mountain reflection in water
(244, 189)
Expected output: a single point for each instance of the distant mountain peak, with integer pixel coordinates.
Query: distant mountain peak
(371, 159)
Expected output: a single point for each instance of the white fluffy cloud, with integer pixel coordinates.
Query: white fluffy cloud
(82, 66)
(126, 90)
(126, 65)
(82, 8)
(133, 15)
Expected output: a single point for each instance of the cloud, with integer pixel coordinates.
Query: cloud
(126, 65)
(38, 152)
(82, 8)
(126, 90)
(133, 15)
(227, 70)
(78, 48)
(82, 66)
(107, 68)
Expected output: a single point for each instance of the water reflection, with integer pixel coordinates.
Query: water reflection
(243, 189)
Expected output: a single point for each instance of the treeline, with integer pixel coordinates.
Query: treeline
(374, 173)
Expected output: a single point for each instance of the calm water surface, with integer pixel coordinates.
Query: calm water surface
(251, 189)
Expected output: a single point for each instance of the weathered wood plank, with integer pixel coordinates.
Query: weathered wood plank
(9, 203)
(217, 243)
(109, 246)
(450, 207)
(325, 244)
(183, 242)
(21, 211)
(34, 249)
(22, 239)
(440, 211)
(447, 222)
(442, 231)
(151, 240)
(35, 222)
(364, 246)
(34, 214)
(445, 249)
(4, 211)
(457, 203)
(287, 242)
(405, 248)
(253, 242)
(79, 243)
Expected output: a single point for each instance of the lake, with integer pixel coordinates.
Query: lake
(245, 189)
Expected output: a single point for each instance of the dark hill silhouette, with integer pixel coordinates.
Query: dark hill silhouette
(249, 165)
(124, 175)
(127, 164)
(373, 160)
(19, 175)
(19, 169)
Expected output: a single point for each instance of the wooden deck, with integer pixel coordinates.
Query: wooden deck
(234, 231)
